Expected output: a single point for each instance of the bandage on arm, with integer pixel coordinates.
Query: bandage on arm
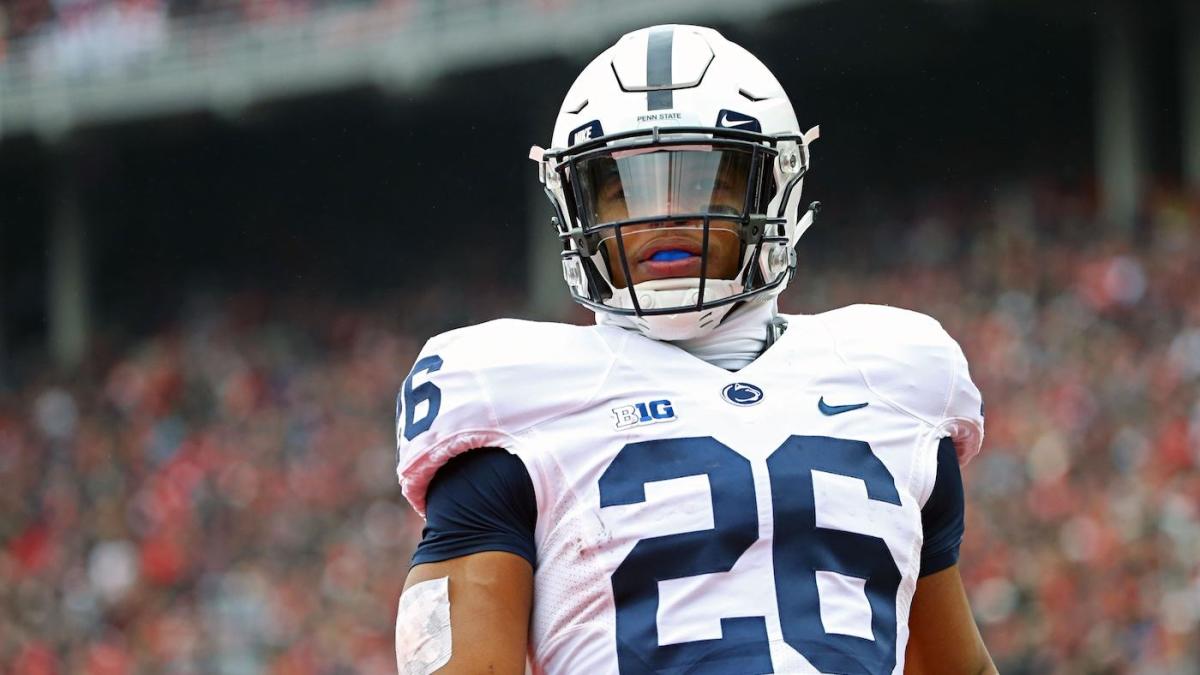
(488, 597)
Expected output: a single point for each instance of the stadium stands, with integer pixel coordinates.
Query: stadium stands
(220, 496)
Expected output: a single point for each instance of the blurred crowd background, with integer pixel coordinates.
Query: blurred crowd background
(219, 496)
(85, 36)
(204, 482)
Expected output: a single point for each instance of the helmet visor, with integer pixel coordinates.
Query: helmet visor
(688, 182)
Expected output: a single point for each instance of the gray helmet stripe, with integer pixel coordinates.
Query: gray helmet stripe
(658, 69)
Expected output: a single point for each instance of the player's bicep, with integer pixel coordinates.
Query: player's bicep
(943, 638)
(487, 598)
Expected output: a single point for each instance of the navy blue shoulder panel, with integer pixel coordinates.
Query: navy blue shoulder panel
(481, 500)
(942, 517)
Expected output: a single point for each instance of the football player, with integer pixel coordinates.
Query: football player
(696, 484)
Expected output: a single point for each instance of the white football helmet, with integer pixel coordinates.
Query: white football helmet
(660, 120)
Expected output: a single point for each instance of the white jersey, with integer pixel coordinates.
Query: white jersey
(694, 520)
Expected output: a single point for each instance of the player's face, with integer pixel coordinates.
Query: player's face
(671, 183)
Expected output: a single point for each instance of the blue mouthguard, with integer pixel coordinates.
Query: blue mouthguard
(668, 256)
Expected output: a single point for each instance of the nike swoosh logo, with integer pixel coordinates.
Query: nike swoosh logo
(731, 124)
(832, 410)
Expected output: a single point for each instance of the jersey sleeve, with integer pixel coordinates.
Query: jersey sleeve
(442, 410)
(479, 501)
(908, 359)
(482, 386)
(942, 515)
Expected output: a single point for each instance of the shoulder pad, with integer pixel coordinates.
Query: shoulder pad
(908, 359)
(482, 385)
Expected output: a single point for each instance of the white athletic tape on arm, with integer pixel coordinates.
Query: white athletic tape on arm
(423, 627)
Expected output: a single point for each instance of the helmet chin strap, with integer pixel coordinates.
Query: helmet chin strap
(740, 338)
(682, 292)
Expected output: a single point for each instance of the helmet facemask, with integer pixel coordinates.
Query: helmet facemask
(699, 192)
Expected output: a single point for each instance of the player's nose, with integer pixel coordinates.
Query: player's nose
(675, 224)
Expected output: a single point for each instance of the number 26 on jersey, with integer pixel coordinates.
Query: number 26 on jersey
(801, 552)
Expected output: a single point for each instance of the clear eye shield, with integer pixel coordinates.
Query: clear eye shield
(684, 183)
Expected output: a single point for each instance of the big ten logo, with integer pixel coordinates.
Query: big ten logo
(650, 412)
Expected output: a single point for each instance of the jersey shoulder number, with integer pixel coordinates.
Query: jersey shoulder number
(481, 385)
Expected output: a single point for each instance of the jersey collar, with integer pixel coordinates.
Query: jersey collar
(734, 344)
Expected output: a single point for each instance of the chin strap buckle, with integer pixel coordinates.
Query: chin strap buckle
(775, 330)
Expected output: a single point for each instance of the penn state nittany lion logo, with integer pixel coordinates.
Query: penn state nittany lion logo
(742, 394)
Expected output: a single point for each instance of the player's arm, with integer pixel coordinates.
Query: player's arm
(489, 596)
(943, 638)
(467, 601)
